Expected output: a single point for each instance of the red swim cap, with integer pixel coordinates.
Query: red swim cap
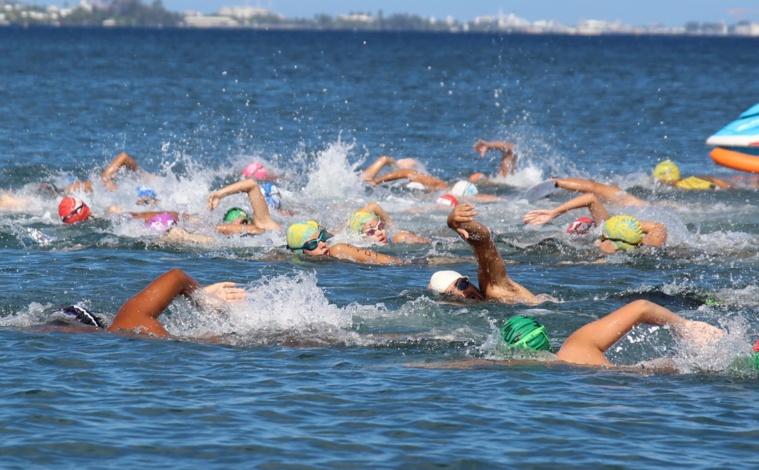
(73, 210)
(448, 200)
(581, 226)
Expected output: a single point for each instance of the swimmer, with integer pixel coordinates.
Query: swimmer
(372, 222)
(310, 239)
(667, 173)
(619, 233)
(139, 314)
(236, 220)
(587, 345)
(508, 159)
(494, 281)
(417, 179)
(606, 193)
(108, 176)
(73, 210)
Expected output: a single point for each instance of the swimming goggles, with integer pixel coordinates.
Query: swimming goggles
(532, 334)
(463, 284)
(73, 212)
(371, 231)
(311, 245)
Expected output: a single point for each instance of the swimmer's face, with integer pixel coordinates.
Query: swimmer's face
(463, 288)
(375, 230)
(147, 201)
(242, 221)
(321, 248)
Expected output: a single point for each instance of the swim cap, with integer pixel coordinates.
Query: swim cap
(581, 226)
(73, 210)
(161, 222)
(667, 171)
(525, 332)
(463, 188)
(623, 231)
(271, 194)
(416, 186)
(144, 191)
(440, 281)
(82, 315)
(298, 234)
(359, 219)
(448, 200)
(694, 182)
(234, 213)
(255, 170)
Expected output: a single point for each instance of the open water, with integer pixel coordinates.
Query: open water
(318, 368)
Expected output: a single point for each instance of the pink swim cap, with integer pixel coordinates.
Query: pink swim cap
(255, 170)
(161, 222)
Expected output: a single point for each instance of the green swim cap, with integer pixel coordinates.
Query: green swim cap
(235, 213)
(525, 332)
(359, 219)
(623, 231)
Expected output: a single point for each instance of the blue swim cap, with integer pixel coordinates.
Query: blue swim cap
(271, 194)
(144, 191)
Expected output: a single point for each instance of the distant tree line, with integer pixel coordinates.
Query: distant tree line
(125, 13)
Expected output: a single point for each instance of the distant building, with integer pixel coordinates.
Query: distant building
(745, 28)
(211, 21)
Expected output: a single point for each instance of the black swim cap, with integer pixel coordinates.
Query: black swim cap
(82, 315)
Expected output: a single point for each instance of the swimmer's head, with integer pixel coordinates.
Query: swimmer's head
(272, 195)
(359, 219)
(623, 231)
(454, 283)
(161, 222)
(448, 200)
(477, 177)
(416, 186)
(81, 315)
(146, 196)
(464, 188)
(237, 215)
(667, 172)
(581, 226)
(298, 234)
(73, 210)
(525, 332)
(255, 170)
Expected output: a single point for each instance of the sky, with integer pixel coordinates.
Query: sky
(632, 12)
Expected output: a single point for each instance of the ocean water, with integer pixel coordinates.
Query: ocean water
(336, 365)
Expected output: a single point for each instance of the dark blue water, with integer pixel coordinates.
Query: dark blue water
(313, 369)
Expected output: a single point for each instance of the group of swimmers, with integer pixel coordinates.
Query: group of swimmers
(586, 346)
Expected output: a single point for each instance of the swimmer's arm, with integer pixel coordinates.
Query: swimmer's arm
(370, 173)
(238, 229)
(656, 233)
(589, 201)
(587, 344)
(719, 182)
(346, 252)
(149, 214)
(122, 160)
(379, 211)
(140, 313)
(244, 186)
(408, 237)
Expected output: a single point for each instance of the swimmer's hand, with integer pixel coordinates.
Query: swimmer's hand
(459, 216)
(700, 333)
(213, 201)
(407, 163)
(539, 217)
(227, 291)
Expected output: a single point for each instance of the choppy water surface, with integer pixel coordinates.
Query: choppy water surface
(331, 364)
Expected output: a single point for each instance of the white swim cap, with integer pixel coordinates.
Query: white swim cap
(440, 281)
(464, 188)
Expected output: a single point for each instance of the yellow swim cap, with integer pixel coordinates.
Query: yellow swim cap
(298, 234)
(359, 219)
(694, 183)
(623, 231)
(667, 171)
